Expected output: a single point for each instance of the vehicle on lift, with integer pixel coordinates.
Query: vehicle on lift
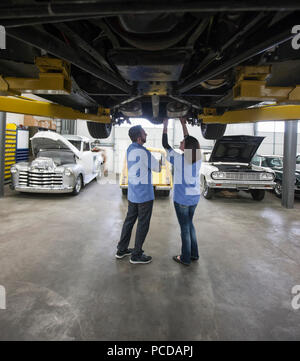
(162, 181)
(275, 162)
(62, 164)
(229, 168)
(154, 59)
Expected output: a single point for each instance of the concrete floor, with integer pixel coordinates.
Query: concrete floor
(63, 283)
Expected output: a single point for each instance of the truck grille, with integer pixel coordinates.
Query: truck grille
(242, 176)
(40, 179)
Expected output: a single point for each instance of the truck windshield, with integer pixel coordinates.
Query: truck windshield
(272, 162)
(76, 143)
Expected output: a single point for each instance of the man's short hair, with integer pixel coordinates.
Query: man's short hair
(135, 132)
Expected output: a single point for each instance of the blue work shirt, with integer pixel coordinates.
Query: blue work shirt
(186, 190)
(140, 163)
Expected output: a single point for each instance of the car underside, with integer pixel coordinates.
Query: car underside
(154, 59)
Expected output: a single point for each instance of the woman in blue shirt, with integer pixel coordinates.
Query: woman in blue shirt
(186, 191)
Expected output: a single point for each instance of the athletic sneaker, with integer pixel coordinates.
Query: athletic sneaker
(122, 254)
(140, 259)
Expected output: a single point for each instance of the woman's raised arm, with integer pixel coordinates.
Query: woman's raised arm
(184, 128)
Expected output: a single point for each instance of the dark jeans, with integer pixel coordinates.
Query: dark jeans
(188, 234)
(142, 212)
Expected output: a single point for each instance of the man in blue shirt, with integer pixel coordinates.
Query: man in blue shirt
(140, 164)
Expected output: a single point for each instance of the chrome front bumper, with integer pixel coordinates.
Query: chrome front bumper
(162, 188)
(43, 189)
(158, 188)
(241, 186)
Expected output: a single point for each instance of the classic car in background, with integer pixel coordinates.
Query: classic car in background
(162, 181)
(275, 162)
(229, 167)
(298, 162)
(61, 164)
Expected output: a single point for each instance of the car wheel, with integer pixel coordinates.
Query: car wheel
(78, 186)
(124, 191)
(213, 131)
(99, 130)
(207, 191)
(278, 189)
(166, 193)
(258, 194)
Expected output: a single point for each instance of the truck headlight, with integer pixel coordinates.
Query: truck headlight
(218, 175)
(267, 176)
(13, 170)
(68, 172)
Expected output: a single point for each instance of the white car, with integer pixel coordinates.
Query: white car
(229, 167)
(62, 164)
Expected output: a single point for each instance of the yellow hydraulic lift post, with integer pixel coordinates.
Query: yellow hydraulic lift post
(2, 151)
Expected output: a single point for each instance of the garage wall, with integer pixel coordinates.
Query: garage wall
(273, 142)
(118, 141)
(14, 118)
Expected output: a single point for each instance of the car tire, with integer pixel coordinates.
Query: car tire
(78, 186)
(278, 189)
(213, 131)
(99, 130)
(207, 192)
(166, 193)
(258, 194)
(124, 191)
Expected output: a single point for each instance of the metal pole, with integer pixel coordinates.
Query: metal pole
(289, 163)
(274, 137)
(255, 131)
(2, 151)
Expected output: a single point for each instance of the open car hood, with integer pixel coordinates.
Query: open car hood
(51, 140)
(236, 149)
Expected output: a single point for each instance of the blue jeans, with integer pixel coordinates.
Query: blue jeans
(188, 234)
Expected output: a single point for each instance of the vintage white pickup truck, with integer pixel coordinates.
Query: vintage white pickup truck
(62, 164)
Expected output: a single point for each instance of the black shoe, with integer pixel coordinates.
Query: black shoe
(122, 254)
(194, 258)
(140, 259)
(178, 260)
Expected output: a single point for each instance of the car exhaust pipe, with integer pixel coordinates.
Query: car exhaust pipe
(155, 105)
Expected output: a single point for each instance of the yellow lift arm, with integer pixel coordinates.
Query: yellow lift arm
(252, 115)
(50, 110)
(251, 86)
(54, 78)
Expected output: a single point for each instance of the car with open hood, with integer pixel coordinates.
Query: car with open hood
(275, 162)
(229, 167)
(61, 164)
